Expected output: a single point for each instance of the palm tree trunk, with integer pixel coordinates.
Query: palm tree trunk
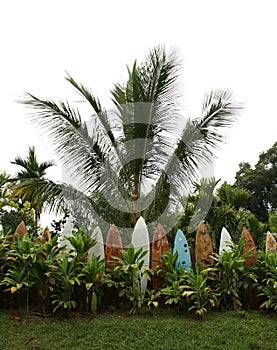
(135, 196)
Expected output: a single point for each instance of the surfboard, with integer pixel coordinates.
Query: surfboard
(46, 235)
(203, 246)
(20, 230)
(113, 245)
(140, 239)
(159, 246)
(98, 248)
(270, 242)
(181, 246)
(67, 232)
(249, 244)
(225, 241)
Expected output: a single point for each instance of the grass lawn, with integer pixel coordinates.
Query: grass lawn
(163, 330)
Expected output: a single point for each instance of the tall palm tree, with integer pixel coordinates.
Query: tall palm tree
(141, 157)
(33, 173)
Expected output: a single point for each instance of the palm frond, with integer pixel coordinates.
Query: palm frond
(219, 111)
(194, 149)
(77, 148)
(95, 103)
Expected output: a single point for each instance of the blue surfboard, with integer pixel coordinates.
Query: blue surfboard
(181, 246)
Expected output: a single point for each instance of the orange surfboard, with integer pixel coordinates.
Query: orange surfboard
(46, 235)
(21, 230)
(270, 242)
(159, 246)
(113, 245)
(203, 246)
(249, 244)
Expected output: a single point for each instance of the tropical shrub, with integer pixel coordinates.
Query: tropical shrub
(230, 275)
(197, 290)
(93, 276)
(42, 272)
(172, 277)
(19, 264)
(81, 244)
(266, 281)
(151, 299)
(64, 276)
(127, 275)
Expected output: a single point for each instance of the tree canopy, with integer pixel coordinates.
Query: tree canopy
(261, 182)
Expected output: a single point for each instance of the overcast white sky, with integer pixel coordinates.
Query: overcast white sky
(224, 44)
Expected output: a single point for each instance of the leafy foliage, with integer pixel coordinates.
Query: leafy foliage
(93, 276)
(260, 181)
(230, 275)
(81, 243)
(63, 279)
(127, 275)
(196, 288)
(13, 213)
(267, 279)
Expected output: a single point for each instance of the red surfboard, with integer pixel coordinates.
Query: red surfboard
(113, 245)
(249, 244)
(159, 246)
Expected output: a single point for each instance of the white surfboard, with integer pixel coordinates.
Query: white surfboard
(98, 248)
(270, 243)
(140, 239)
(225, 241)
(67, 232)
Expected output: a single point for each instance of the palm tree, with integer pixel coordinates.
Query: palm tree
(141, 157)
(29, 180)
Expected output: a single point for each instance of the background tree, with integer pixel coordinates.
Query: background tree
(5, 189)
(13, 213)
(273, 221)
(117, 156)
(29, 180)
(261, 182)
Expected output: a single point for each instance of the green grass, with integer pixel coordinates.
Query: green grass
(164, 330)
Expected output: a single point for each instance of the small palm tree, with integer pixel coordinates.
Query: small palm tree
(30, 179)
(140, 158)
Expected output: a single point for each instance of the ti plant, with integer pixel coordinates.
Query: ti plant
(172, 277)
(17, 279)
(267, 280)
(230, 275)
(20, 263)
(42, 271)
(92, 275)
(196, 289)
(151, 299)
(81, 244)
(127, 275)
(64, 276)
